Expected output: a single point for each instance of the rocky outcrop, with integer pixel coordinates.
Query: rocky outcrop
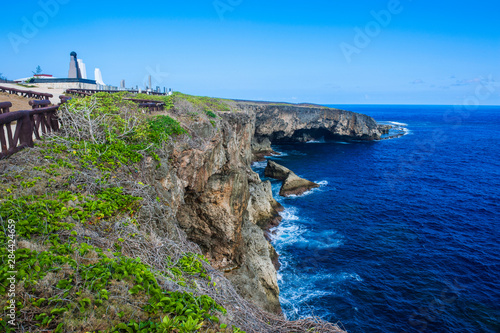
(262, 149)
(384, 129)
(292, 184)
(278, 123)
(276, 171)
(221, 204)
(256, 278)
(263, 208)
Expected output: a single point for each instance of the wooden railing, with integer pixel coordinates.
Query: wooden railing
(5, 107)
(64, 99)
(39, 104)
(79, 92)
(26, 93)
(151, 105)
(37, 122)
(148, 104)
(44, 120)
(90, 92)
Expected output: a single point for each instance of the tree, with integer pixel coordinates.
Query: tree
(38, 70)
(2, 77)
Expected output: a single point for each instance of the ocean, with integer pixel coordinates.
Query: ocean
(403, 234)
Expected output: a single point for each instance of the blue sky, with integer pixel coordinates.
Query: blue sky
(331, 52)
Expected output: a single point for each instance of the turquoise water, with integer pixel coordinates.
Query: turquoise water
(402, 235)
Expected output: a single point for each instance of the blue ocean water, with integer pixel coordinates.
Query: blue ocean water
(403, 234)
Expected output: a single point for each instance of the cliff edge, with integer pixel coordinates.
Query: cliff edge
(288, 123)
(128, 214)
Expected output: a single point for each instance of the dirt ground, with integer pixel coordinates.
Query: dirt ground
(18, 102)
(55, 92)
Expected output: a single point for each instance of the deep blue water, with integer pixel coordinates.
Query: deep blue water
(403, 234)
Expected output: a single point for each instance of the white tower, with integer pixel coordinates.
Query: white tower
(82, 67)
(98, 77)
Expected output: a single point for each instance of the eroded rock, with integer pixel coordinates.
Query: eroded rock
(276, 171)
(294, 185)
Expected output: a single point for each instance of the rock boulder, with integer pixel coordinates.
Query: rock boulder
(292, 184)
(276, 171)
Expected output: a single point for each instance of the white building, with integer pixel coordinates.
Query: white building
(98, 77)
(83, 69)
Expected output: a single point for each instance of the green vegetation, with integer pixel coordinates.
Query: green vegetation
(124, 137)
(162, 127)
(208, 104)
(81, 210)
(38, 70)
(168, 100)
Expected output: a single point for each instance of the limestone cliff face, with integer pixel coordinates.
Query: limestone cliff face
(220, 203)
(296, 123)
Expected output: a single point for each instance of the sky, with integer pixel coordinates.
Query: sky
(327, 52)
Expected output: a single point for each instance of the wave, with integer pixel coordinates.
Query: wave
(285, 235)
(396, 123)
(299, 298)
(289, 214)
(316, 243)
(259, 165)
(294, 196)
(278, 154)
(351, 276)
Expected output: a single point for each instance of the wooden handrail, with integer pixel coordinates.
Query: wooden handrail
(39, 104)
(89, 92)
(26, 93)
(64, 99)
(5, 107)
(28, 123)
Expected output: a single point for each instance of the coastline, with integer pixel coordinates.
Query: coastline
(210, 200)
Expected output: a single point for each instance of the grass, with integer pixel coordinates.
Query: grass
(89, 206)
(79, 209)
(209, 105)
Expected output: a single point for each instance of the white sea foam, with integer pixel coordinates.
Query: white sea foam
(321, 183)
(287, 234)
(280, 154)
(259, 165)
(294, 196)
(351, 276)
(289, 214)
(397, 124)
(328, 239)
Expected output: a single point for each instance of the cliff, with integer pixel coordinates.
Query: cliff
(280, 123)
(220, 203)
(143, 210)
(224, 200)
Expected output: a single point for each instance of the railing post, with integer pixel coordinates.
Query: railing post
(5, 107)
